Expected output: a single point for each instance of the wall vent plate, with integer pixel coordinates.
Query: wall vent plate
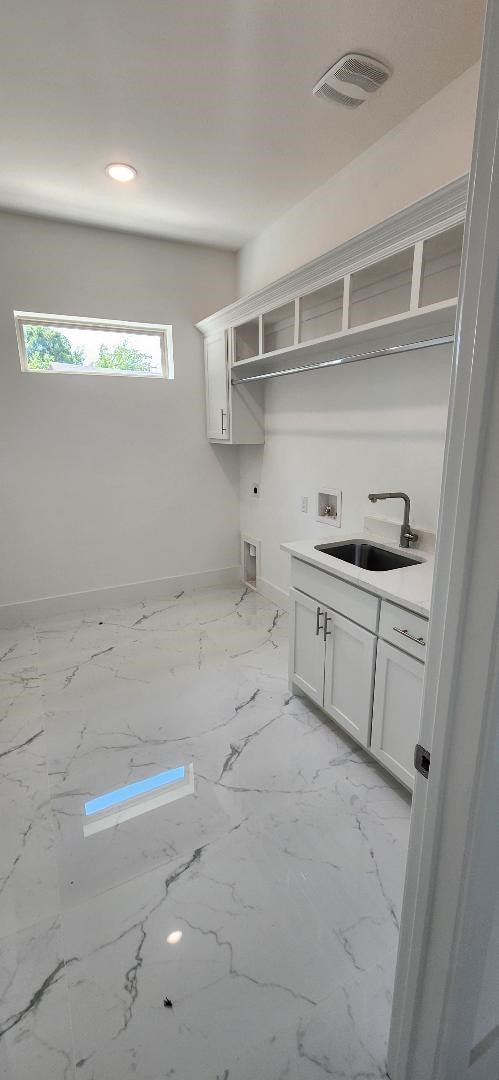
(351, 79)
(250, 560)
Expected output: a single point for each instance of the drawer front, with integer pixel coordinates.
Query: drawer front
(404, 629)
(356, 604)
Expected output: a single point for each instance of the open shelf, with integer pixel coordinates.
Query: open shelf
(247, 340)
(321, 312)
(432, 321)
(279, 328)
(381, 290)
(441, 265)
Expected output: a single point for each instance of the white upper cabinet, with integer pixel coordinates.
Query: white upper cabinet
(217, 386)
(234, 415)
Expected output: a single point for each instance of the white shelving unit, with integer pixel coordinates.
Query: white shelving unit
(406, 298)
(391, 289)
(427, 324)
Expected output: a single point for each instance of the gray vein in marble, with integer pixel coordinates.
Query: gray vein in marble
(389, 902)
(11, 649)
(23, 745)
(242, 596)
(235, 973)
(36, 997)
(236, 749)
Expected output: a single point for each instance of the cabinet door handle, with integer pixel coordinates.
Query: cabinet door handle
(326, 631)
(405, 633)
(222, 414)
(318, 626)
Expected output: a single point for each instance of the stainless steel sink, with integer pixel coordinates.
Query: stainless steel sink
(367, 556)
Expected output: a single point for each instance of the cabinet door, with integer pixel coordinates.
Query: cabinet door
(306, 646)
(349, 675)
(217, 386)
(396, 710)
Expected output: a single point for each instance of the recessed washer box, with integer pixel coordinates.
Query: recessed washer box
(329, 507)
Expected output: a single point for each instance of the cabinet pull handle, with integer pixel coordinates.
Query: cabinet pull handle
(222, 412)
(318, 626)
(405, 633)
(326, 631)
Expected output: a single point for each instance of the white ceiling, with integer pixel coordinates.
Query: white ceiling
(209, 99)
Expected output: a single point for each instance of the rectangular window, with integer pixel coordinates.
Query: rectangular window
(53, 343)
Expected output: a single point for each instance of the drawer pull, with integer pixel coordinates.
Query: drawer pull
(318, 626)
(405, 633)
(326, 631)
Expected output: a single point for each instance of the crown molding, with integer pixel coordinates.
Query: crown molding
(435, 212)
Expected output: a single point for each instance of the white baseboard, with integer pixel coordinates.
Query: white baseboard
(114, 596)
(271, 592)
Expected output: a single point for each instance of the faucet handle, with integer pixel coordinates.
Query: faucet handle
(410, 535)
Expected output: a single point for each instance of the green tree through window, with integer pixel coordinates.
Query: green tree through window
(45, 347)
(123, 357)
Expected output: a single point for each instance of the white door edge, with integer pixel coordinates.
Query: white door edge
(452, 880)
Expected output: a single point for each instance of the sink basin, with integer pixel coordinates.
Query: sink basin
(367, 556)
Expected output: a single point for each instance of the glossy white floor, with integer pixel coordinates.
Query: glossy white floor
(283, 869)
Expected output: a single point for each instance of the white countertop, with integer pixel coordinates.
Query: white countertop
(410, 586)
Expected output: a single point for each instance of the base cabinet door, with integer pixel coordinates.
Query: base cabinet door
(306, 645)
(396, 710)
(217, 387)
(349, 674)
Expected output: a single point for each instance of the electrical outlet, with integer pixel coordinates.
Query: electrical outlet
(304, 504)
(255, 490)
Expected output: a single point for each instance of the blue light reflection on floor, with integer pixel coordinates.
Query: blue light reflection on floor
(130, 791)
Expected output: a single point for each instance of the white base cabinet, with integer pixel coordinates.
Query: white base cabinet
(369, 686)
(349, 675)
(332, 662)
(396, 710)
(306, 645)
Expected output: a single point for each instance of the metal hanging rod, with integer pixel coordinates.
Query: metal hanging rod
(387, 350)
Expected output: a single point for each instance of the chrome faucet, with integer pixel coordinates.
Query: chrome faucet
(407, 536)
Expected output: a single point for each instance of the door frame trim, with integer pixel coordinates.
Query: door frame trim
(452, 881)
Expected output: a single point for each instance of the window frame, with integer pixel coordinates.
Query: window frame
(74, 322)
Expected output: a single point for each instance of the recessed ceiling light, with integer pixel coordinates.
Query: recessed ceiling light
(117, 170)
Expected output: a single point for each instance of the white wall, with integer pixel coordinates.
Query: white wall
(424, 152)
(374, 425)
(106, 481)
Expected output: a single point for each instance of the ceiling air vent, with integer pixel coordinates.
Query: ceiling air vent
(351, 79)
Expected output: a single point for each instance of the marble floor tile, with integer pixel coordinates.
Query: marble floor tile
(280, 871)
(35, 1023)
